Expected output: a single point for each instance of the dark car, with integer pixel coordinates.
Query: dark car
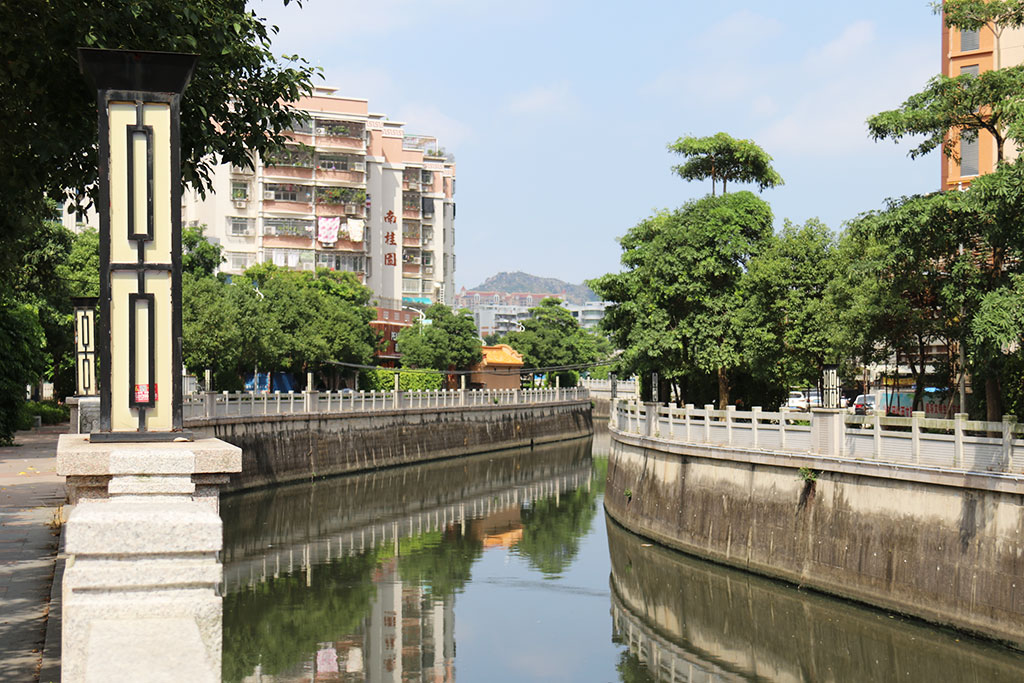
(863, 403)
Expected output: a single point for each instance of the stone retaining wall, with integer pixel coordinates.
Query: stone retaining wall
(283, 448)
(947, 547)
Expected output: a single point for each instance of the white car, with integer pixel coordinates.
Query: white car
(797, 401)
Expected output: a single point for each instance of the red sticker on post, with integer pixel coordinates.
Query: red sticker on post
(142, 393)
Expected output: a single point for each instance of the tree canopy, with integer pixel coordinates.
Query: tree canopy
(676, 306)
(962, 105)
(551, 337)
(447, 342)
(723, 157)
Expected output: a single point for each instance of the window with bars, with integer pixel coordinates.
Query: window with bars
(969, 153)
(239, 189)
(971, 70)
(296, 259)
(240, 261)
(349, 263)
(970, 40)
(294, 227)
(287, 192)
(239, 226)
(339, 162)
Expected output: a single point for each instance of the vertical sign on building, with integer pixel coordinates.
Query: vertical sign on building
(85, 346)
(139, 336)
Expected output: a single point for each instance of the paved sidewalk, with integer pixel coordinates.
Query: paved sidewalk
(30, 493)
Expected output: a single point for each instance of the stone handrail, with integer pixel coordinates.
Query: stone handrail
(956, 444)
(247, 404)
(622, 386)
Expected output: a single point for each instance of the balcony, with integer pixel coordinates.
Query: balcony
(412, 186)
(335, 175)
(293, 172)
(412, 212)
(410, 269)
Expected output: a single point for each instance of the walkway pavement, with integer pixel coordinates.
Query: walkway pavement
(30, 494)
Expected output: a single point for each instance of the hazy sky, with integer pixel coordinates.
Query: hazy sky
(558, 113)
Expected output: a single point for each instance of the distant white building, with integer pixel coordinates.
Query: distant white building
(493, 318)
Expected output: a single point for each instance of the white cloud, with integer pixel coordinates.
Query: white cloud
(555, 99)
(427, 119)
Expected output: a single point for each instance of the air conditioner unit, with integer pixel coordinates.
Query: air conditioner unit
(240, 203)
(359, 166)
(268, 195)
(321, 130)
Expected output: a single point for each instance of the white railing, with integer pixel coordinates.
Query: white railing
(957, 444)
(248, 404)
(623, 387)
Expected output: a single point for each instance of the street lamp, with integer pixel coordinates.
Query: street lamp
(139, 337)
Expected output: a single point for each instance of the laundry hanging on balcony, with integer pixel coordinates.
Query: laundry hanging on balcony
(355, 230)
(327, 229)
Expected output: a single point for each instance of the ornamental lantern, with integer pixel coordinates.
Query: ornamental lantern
(139, 335)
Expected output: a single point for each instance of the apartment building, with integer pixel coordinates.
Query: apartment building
(352, 192)
(975, 52)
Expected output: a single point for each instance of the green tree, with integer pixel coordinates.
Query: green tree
(723, 157)
(199, 256)
(951, 108)
(447, 342)
(239, 101)
(789, 327)
(21, 346)
(551, 337)
(675, 308)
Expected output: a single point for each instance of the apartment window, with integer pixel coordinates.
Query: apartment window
(970, 40)
(341, 262)
(971, 69)
(294, 227)
(239, 227)
(969, 153)
(287, 192)
(297, 259)
(239, 190)
(240, 260)
(387, 315)
(334, 162)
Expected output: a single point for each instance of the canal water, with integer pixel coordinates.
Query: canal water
(503, 567)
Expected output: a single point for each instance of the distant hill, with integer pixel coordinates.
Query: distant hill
(531, 284)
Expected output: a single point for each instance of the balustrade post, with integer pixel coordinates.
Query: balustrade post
(708, 407)
(651, 418)
(876, 426)
(730, 414)
(210, 403)
(959, 422)
(782, 427)
(1009, 422)
(915, 434)
(462, 394)
(755, 416)
(671, 421)
(687, 414)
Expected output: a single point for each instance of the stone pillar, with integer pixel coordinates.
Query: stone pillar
(827, 432)
(651, 411)
(140, 591)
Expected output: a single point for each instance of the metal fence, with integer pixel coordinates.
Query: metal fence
(248, 404)
(956, 444)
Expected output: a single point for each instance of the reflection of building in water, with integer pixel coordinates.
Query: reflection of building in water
(407, 636)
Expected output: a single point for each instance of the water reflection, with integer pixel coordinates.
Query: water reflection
(354, 578)
(688, 620)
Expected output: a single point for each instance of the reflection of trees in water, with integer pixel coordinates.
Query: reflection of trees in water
(440, 562)
(631, 669)
(552, 528)
(279, 621)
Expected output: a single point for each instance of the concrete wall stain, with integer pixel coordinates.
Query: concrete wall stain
(949, 555)
(283, 448)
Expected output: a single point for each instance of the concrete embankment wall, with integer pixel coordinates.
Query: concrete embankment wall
(283, 448)
(947, 547)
